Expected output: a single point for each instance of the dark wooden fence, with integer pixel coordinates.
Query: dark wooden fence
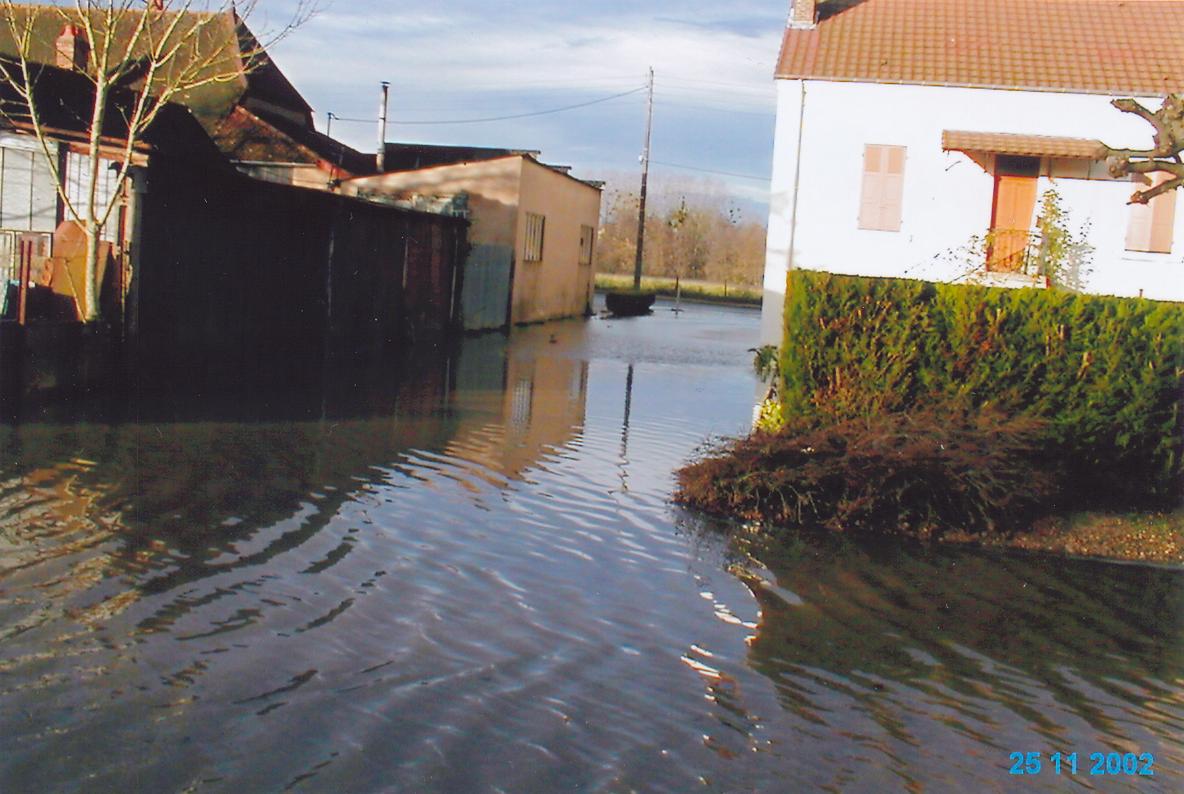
(241, 275)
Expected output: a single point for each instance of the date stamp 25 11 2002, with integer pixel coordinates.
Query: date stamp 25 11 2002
(1134, 764)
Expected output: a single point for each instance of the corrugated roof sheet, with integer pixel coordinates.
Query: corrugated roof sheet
(1022, 145)
(1081, 46)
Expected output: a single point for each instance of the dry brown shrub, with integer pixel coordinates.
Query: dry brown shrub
(919, 474)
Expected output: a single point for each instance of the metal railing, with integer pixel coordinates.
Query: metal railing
(1016, 251)
(19, 251)
(10, 260)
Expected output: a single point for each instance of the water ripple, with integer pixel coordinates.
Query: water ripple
(478, 583)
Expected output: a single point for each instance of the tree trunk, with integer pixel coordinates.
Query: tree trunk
(91, 290)
(91, 212)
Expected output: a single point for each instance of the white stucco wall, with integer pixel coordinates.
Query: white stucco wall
(947, 196)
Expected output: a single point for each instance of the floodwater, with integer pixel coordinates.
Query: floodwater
(471, 578)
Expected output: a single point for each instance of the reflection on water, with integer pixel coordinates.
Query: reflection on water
(462, 573)
(931, 662)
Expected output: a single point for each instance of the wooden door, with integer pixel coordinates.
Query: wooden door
(1011, 221)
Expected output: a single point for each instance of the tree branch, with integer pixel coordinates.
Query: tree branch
(1163, 157)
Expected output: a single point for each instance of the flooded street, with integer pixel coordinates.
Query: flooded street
(470, 578)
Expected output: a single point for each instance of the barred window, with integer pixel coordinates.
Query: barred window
(535, 224)
(587, 235)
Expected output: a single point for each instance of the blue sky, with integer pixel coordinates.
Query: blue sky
(713, 64)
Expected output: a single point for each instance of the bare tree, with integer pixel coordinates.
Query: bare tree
(1164, 157)
(152, 52)
(692, 231)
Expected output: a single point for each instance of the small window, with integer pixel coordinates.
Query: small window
(1150, 226)
(883, 188)
(587, 234)
(1008, 165)
(535, 224)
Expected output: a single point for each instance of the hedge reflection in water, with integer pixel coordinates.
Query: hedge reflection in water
(469, 576)
(988, 638)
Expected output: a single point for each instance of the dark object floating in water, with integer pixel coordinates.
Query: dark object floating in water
(629, 303)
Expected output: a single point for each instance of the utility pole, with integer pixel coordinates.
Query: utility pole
(380, 157)
(645, 170)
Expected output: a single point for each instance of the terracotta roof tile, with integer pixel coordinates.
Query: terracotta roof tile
(1080, 46)
(245, 136)
(1022, 145)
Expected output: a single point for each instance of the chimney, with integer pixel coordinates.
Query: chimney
(803, 13)
(72, 49)
(380, 157)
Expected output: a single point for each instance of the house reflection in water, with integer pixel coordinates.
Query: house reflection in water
(519, 402)
(192, 482)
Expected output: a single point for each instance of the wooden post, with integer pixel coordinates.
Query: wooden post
(645, 170)
(25, 253)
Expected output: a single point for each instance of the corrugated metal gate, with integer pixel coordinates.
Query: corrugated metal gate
(485, 295)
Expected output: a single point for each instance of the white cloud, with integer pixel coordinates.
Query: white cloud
(462, 54)
(713, 74)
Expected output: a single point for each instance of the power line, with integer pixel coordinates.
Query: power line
(687, 80)
(718, 90)
(549, 83)
(679, 103)
(505, 118)
(711, 171)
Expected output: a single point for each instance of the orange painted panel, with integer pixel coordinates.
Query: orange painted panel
(1011, 221)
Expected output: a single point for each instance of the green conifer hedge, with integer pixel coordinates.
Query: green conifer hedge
(1106, 373)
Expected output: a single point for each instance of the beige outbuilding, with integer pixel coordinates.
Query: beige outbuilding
(532, 236)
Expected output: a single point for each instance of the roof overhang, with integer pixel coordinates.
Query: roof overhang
(108, 142)
(1019, 145)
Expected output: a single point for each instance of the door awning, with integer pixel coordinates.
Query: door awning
(1020, 145)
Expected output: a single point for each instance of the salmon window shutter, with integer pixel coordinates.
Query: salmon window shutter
(1150, 225)
(882, 191)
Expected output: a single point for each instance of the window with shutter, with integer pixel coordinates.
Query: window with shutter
(882, 191)
(535, 225)
(587, 235)
(1150, 226)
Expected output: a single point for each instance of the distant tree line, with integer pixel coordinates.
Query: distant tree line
(693, 231)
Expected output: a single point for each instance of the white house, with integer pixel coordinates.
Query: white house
(905, 128)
